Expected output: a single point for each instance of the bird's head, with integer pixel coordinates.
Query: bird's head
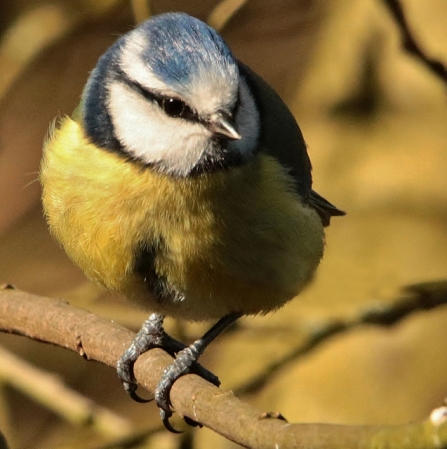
(169, 94)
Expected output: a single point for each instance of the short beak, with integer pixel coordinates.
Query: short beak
(223, 127)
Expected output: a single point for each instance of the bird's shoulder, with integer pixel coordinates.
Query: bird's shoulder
(281, 138)
(280, 135)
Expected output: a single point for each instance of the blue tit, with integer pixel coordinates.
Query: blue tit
(183, 182)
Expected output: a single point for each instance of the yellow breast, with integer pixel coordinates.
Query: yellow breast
(236, 240)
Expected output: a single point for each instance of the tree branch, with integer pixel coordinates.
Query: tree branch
(56, 322)
(410, 44)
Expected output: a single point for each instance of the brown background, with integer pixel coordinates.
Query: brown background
(375, 121)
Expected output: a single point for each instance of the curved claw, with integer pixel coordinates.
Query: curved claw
(191, 422)
(165, 415)
(137, 398)
(131, 389)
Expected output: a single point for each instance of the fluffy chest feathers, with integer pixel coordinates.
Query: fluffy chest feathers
(228, 241)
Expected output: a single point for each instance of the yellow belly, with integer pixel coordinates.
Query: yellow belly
(236, 240)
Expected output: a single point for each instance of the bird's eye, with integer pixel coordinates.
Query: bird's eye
(174, 107)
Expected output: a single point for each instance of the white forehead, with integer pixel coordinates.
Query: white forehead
(208, 89)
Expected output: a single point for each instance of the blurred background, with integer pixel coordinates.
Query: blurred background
(375, 121)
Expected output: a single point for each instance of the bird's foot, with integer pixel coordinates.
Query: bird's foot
(185, 362)
(151, 335)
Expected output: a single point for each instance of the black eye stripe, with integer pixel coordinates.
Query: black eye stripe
(186, 113)
(164, 102)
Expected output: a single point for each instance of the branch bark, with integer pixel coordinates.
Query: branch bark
(56, 322)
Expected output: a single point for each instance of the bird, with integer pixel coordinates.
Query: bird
(182, 181)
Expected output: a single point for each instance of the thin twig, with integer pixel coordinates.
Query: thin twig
(3, 444)
(410, 44)
(223, 12)
(414, 298)
(141, 10)
(54, 321)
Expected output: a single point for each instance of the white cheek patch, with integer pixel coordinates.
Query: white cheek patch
(147, 134)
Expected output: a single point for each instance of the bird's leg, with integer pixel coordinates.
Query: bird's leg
(152, 335)
(184, 364)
